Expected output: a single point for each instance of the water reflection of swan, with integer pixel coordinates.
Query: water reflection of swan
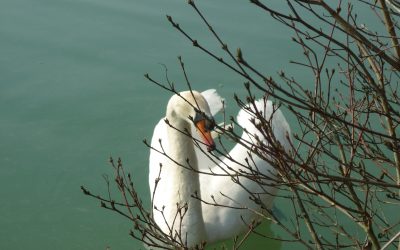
(176, 186)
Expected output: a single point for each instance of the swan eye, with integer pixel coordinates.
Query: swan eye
(209, 123)
(198, 117)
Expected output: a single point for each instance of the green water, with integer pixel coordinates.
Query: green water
(72, 93)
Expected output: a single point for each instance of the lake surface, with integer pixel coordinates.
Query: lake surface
(72, 94)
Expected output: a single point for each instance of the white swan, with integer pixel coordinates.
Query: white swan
(176, 185)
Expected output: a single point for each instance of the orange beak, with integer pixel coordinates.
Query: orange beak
(205, 135)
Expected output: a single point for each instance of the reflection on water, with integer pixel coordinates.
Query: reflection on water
(253, 241)
(72, 93)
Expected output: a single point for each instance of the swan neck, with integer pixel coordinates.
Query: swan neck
(185, 181)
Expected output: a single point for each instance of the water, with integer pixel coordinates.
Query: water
(72, 93)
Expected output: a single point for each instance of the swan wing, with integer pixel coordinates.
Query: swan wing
(214, 100)
(280, 127)
(221, 222)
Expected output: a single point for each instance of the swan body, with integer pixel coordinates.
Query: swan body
(176, 185)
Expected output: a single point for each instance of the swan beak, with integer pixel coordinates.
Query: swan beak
(205, 135)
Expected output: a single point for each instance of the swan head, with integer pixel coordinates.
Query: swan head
(190, 107)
